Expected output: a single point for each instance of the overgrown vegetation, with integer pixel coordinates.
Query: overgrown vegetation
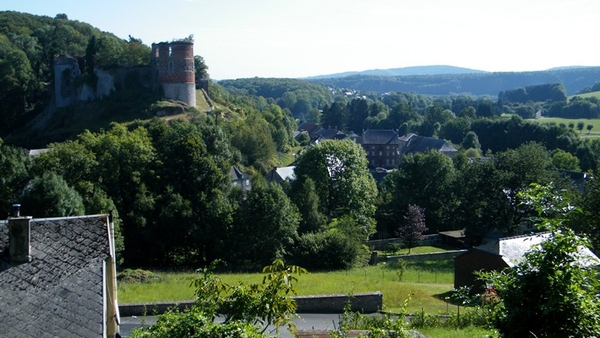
(247, 309)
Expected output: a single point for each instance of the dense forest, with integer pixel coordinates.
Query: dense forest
(166, 179)
(574, 80)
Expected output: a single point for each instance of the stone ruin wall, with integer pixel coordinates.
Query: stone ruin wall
(172, 72)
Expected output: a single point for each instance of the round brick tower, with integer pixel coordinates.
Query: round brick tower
(174, 70)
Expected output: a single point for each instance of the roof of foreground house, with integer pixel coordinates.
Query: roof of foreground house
(60, 292)
(513, 249)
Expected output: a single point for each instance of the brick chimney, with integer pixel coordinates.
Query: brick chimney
(19, 237)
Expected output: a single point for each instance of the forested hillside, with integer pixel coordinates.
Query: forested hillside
(574, 80)
(28, 46)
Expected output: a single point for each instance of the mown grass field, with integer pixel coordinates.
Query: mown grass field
(427, 284)
(586, 95)
(594, 133)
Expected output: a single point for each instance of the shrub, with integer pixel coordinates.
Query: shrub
(248, 309)
(138, 276)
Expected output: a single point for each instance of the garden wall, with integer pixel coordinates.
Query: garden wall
(425, 257)
(361, 302)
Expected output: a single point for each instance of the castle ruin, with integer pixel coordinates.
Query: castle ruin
(171, 72)
(173, 67)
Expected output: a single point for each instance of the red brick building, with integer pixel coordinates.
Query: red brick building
(382, 147)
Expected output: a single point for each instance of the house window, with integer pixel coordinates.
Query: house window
(380, 153)
(247, 182)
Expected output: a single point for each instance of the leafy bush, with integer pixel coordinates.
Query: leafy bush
(552, 292)
(386, 325)
(329, 250)
(248, 309)
(194, 323)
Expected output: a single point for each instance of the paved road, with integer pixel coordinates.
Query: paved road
(304, 321)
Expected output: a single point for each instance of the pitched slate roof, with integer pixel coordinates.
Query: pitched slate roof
(281, 174)
(60, 292)
(236, 174)
(420, 144)
(380, 136)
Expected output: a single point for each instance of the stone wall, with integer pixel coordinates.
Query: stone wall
(362, 302)
(425, 257)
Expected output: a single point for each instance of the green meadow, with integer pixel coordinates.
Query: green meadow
(426, 283)
(594, 133)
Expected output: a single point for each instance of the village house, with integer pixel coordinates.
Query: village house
(58, 277)
(501, 253)
(281, 174)
(382, 148)
(240, 179)
(413, 143)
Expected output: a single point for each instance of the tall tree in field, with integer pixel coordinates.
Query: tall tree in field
(342, 181)
(424, 179)
(414, 226)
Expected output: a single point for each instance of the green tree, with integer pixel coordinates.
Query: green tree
(201, 69)
(470, 141)
(431, 191)
(342, 181)
(267, 225)
(563, 160)
(587, 222)
(580, 126)
(482, 203)
(50, 196)
(552, 292)
(336, 116)
(18, 82)
(248, 309)
(589, 127)
(190, 194)
(307, 200)
(14, 167)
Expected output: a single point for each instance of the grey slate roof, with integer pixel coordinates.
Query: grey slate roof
(60, 292)
(420, 144)
(380, 136)
(281, 174)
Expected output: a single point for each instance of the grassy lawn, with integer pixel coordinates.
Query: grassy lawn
(427, 282)
(471, 332)
(594, 133)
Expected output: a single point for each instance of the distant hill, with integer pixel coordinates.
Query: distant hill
(403, 71)
(477, 83)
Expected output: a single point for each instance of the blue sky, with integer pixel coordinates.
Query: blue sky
(293, 38)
